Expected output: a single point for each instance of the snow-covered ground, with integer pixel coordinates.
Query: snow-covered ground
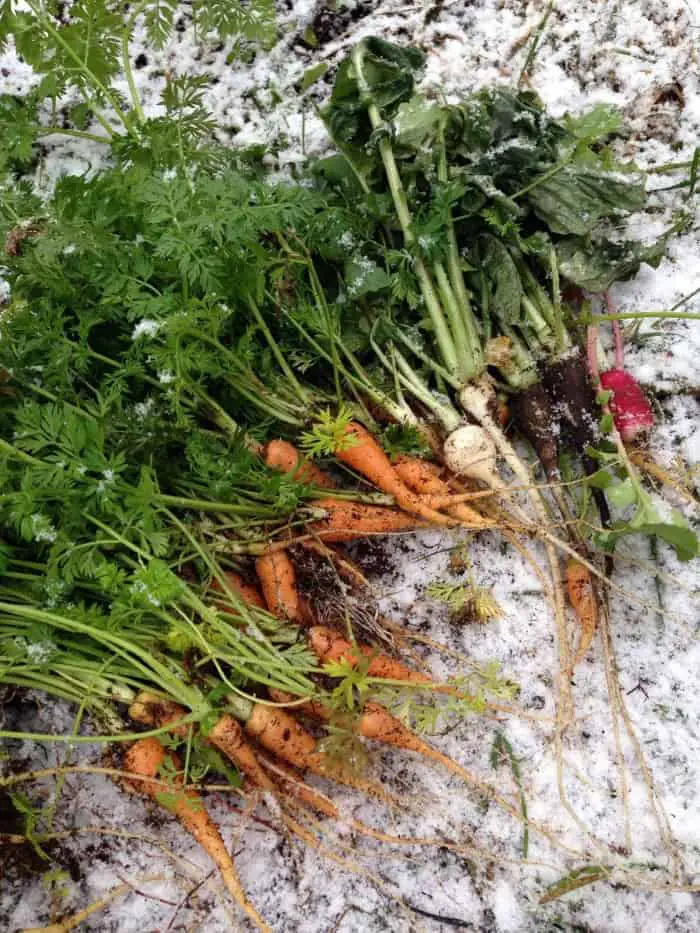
(641, 55)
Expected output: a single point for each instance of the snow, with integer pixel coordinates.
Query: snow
(475, 873)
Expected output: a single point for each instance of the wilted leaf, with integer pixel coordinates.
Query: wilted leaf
(596, 264)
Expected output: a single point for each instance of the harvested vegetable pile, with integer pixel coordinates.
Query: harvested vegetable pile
(226, 392)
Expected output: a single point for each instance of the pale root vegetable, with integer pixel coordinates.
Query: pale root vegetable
(364, 455)
(283, 456)
(248, 592)
(424, 478)
(582, 596)
(145, 759)
(329, 646)
(277, 578)
(469, 451)
(348, 521)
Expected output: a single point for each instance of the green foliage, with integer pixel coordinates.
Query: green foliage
(578, 878)
(624, 492)
(502, 753)
(329, 435)
(84, 53)
(405, 439)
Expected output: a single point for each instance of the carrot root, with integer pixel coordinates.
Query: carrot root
(423, 477)
(582, 597)
(365, 456)
(248, 592)
(277, 579)
(145, 759)
(348, 521)
(330, 646)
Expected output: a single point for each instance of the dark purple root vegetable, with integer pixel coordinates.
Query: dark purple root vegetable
(534, 418)
(572, 398)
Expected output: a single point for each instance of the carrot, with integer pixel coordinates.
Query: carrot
(227, 735)
(280, 733)
(278, 581)
(291, 785)
(365, 456)
(145, 759)
(283, 456)
(423, 477)
(377, 723)
(348, 521)
(644, 460)
(420, 475)
(328, 645)
(582, 597)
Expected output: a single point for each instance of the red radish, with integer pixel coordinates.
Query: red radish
(629, 405)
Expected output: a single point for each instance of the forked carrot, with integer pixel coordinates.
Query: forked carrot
(364, 455)
(328, 645)
(283, 456)
(423, 477)
(348, 521)
(277, 578)
(582, 597)
(145, 759)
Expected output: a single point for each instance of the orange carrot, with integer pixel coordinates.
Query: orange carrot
(420, 475)
(278, 581)
(227, 736)
(145, 759)
(328, 645)
(248, 592)
(365, 456)
(423, 478)
(283, 456)
(348, 521)
(280, 733)
(582, 597)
